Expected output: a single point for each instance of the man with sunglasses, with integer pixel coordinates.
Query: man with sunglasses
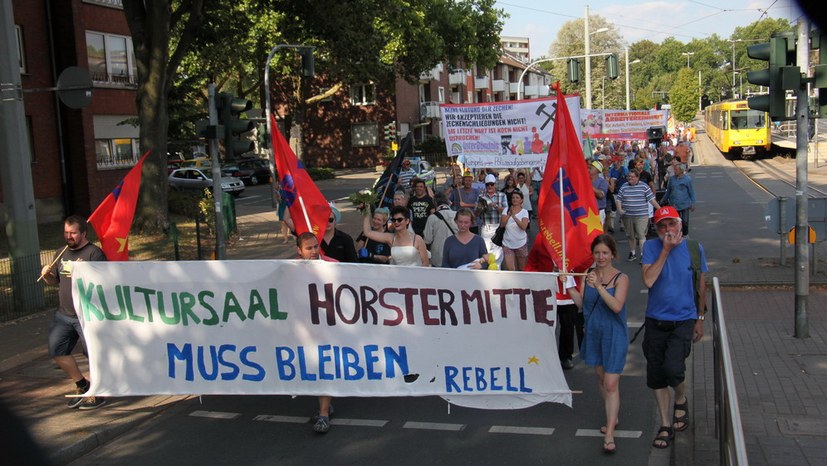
(490, 208)
(336, 243)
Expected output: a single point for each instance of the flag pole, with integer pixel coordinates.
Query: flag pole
(388, 184)
(306, 216)
(562, 220)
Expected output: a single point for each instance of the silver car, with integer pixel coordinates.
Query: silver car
(197, 178)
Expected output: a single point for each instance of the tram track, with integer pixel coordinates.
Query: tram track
(766, 175)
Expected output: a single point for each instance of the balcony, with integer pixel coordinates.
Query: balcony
(513, 88)
(428, 110)
(499, 85)
(457, 78)
(531, 91)
(432, 74)
(102, 78)
(481, 83)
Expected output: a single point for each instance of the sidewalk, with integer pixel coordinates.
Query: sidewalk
(781, 381)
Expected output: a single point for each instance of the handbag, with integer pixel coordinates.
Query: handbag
(498, 236)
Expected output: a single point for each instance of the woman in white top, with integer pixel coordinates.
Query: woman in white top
(407, 248)
(515, 220)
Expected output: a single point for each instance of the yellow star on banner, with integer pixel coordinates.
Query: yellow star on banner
(592, 222)
(121, 244)
(534, 360)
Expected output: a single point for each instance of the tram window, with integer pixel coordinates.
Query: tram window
(743, 119)
(724, 121)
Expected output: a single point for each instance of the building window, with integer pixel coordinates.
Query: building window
(116, 153)
(441, 91)
(364, 134)
(21, 49)
(362, 94)
(30, 132)
(110, 58)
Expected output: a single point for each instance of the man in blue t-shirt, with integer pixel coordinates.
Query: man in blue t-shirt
(673, 320)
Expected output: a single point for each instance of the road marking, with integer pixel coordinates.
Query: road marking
(359, 422)
(644, 291)
(433, 426)
(634, 323)
(215, 414)
(288, 419)
(618, 433)
(246, 198)
(521, 430)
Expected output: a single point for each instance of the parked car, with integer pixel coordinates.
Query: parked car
(197, 178)
(260, 168)
(199, 162)
(235, 171)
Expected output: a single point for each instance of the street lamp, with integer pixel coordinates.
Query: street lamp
(586, 35)
(688, 54)
(637, 60)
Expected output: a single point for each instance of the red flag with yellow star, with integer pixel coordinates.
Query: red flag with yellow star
(113, 217)
(567, 212)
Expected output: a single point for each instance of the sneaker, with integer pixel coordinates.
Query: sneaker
(632, 257)
(92, 402)
(567, 364)
(74, 402)
(322, 424)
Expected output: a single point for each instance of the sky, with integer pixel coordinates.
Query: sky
(539, 20)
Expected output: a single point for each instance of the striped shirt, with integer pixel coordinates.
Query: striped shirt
(490, 214)
(635, 199)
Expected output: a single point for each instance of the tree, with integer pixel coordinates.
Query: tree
(684, 95)
(152, 24)
(570, 42)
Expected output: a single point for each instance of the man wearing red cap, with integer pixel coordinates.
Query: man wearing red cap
(674, 318)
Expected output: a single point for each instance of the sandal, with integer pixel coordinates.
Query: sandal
(603, 428)
(608, 450)
(665, 439)
(682, 420)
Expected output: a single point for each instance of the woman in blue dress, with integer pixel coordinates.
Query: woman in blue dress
(602, 299)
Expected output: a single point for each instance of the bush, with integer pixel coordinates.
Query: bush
(317, 174)
(185, 203)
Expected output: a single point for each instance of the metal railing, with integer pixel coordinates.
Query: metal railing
(21, 296)
(728, 428)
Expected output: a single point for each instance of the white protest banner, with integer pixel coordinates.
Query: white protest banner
(514, 134)
(479, 338)
(620, 124)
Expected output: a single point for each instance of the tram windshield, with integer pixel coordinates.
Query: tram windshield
(747, 119)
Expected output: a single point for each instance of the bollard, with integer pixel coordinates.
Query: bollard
(782, 215)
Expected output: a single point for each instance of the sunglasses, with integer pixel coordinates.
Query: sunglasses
(398, 219)
(490, 184)
(331, 219)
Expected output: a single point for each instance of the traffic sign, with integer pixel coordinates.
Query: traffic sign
(811, 236)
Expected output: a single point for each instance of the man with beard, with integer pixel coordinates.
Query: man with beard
(673, 271)
(65, 330)
(421, 206)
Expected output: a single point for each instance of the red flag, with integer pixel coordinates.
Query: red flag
(308, 207)
(113, 217)
(579, 222)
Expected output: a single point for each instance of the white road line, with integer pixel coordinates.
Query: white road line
(359, 422)
(521, 430)
(433, 426)
(215, 414)
(618, 433)
(634, 323)
(644, 291)
(246, 198)
(288, 419)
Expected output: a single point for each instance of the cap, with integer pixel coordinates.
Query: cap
(666, 212)
(336, 214)
(468, 173)
(490, 179)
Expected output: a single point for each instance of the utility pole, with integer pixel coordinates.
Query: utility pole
(217, 191)
(802, 251)
(16, 172)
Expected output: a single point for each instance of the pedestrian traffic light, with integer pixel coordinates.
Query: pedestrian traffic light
(611, 66)
(779, 52)
(229, 109)
(390, 132)
(574, 70)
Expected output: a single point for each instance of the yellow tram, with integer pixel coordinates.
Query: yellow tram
(737, 130)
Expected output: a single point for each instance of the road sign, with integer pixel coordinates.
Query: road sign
(74, 87)
(811, 237)
(816, 216)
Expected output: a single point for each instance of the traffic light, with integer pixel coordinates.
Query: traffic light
(820, 74)
(390, 132)
(229, 109)
(779, 76)
(611, 66)
(574, 70)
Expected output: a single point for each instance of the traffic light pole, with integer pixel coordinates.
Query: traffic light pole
(217, 192)
(802, 116)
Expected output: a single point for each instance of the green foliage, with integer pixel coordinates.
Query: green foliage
(684, 96)
(321, 173)
(185, 202)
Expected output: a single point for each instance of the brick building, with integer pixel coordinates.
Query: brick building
(78, 156)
